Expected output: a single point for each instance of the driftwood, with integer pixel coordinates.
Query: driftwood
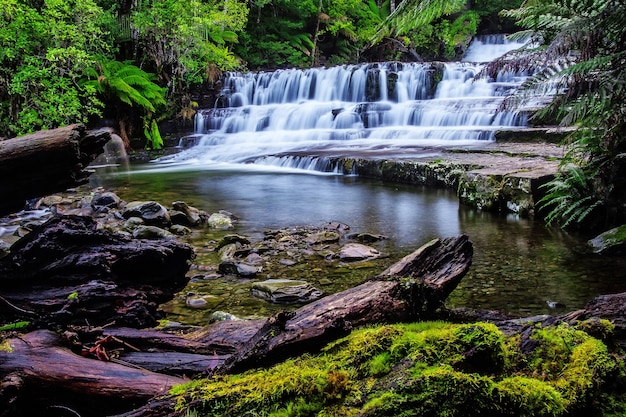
(68, 272)
(411, 289)
(46, 162)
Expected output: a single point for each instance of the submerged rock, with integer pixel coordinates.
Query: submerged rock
(240, 269)
(285, 291)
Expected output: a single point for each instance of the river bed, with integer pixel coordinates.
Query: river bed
(519, 264)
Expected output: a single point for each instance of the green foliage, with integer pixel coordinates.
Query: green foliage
(422, 369)
(412, 14)
(568, 199)
(20, 325)
(43, 52)
(591, 95)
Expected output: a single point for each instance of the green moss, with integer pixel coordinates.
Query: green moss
(424, 369)
(5, 346)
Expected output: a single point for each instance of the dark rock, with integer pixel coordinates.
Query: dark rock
(240, 269)
(105, 199)
(152, 213)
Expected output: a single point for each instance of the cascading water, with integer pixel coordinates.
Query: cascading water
(299, 118)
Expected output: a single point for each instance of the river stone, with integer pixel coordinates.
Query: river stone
(367, 237)
(151, 232)
(611, 242)
(105, 199)
(240, 269)
(186, 215)
(220, 221)
(180, 230)
(229, 239)
(153, 213)
(285, 291)
(132, 223)
(325, 236)
(222, 316)
(357, 252)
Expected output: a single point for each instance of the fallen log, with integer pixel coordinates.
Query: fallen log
(409, 290)
(39, 376)
(46, 162)
(412, 289)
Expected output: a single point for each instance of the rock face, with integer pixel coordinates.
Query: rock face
(610, 242)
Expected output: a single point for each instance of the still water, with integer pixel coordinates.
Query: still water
(519, 264)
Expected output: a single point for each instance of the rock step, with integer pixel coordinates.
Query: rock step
(500, 177)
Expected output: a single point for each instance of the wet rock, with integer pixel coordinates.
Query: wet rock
(366, 237)
(353, 252)
(611, 242)
(326, 236)
(152, 213)
(222, 316)
(240, 269)
(285, 291)
(220, 221)
(229, 239)
(105, 199)
(186, 215)
(132, 223)
(151, 232)
(180, 230)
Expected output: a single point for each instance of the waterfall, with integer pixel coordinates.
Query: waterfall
(298, 117)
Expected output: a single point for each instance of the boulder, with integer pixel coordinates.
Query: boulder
(610, 242)
(152, 213)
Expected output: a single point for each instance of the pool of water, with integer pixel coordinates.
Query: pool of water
(518, 265)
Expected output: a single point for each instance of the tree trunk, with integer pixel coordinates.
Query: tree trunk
(46, 162)
(39, 374)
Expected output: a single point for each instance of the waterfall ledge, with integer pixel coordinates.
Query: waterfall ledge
(500, 177)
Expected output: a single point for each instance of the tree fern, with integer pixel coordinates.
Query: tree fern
(121, 83)
(583, 56)
(411, 14)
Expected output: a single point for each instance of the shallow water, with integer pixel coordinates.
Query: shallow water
(519, 264)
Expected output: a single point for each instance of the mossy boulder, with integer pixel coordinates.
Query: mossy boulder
(610, 242)
(424, 369)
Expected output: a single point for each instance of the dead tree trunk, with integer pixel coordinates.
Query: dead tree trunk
(46, 162)
(38, 372)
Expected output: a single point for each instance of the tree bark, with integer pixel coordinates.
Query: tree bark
(46, 162)
(39, 373)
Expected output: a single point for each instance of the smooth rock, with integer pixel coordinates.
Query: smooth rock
(153, 213)
(285, 291)
(240, 269)
(357, 252)
(611, 242)
(151, 232)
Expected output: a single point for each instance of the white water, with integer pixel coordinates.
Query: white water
(299, 118)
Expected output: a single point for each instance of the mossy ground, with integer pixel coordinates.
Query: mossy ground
(426, 369)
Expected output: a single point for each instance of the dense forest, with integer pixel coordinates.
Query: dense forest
(137, 62)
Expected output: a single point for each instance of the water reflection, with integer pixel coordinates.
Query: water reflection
(518, 264)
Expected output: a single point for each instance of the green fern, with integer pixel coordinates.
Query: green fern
(412, 14)
(568, 200)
